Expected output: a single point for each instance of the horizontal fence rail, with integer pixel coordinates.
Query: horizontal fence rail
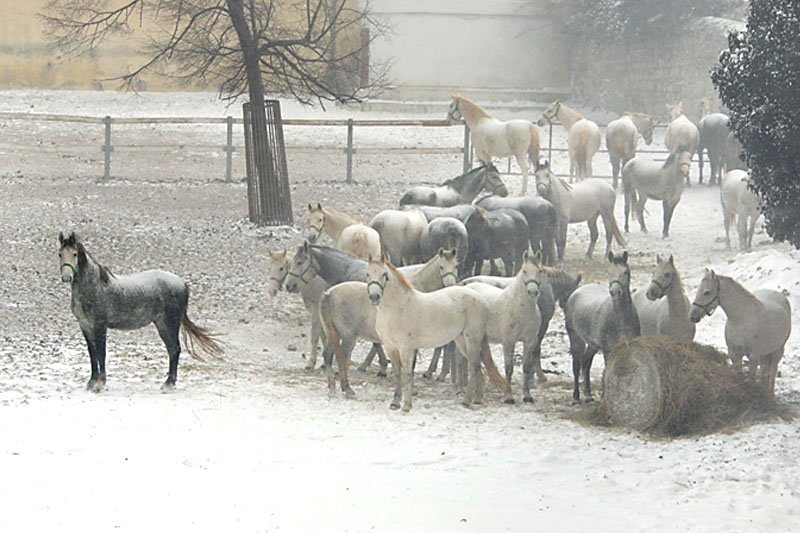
(229, 147)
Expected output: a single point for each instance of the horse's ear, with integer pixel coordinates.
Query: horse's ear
(441, 252)
(713, 274)
(658, 259)
(310, 207)
(319, 206)
(61, 238)
(538, 256)
(671, 260)
(305, 246)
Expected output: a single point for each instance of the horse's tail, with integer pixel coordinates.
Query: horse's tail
(359, 246)
(582, 154)
(325, 309)
(205, 339)
(615, 230)
(491, 369)
(533, 147)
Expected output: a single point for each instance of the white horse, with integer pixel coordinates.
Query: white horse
(348, 315)
(663, 308)
(582, 202)
(495, 138)
(621, 137)
(681, 132)
(408, 320)
(514, 316)
(739, 201)
(400, 233)
(347, 232)
(583, 137)
(758, 326)
(279, 262)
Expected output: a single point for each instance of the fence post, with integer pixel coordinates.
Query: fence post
(107, 148)
(349, 150)
(550, 145)
(467, 149)
(228, 148)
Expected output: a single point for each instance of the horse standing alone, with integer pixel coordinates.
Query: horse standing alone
(741, 204)
(101, 300)
(495, 138)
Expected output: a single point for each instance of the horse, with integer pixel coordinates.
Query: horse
(643, 179)
(400, 233)
(739, 201)
(447, 233)
(663, 309)
(347, 232)
(556, 286)
(514, 316)
(496, 234)
(733, 154)
(596, 318)
(540, 216)
(279, 262)
(461, 212)
(102, 300)
(621, 137)
(408, 320)
(681, 132)
(348, 315)
(582, 202)
(459, 190)
(758, 325)
(495, 138)
(713, 130)
(583, 137)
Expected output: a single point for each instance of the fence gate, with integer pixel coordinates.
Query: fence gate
(269, 199)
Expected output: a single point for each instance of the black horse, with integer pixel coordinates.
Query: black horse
(540, 216)
(101, 300)
(499, 234)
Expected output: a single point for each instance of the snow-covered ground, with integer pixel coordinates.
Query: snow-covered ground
(252, 442)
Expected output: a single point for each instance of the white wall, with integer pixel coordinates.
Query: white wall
(497, 44)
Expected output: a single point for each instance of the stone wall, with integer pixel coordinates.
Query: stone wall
(646, 76)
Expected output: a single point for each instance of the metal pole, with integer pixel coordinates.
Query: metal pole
(349, 150)
(467, 148)
(107, 148)
(229, 150)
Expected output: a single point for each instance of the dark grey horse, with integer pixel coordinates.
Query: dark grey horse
(596, 317)
(733, 154)
(101, 300)
(462, 212)
(445, 233)
(713, 137)
(540, 216)
(496, 234)
(460, 190)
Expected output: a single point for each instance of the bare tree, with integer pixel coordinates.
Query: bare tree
(310, 50)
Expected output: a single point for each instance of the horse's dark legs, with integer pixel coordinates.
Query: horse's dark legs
(615, 169)
(428, 374)
(168, 330)
(96, 343)
(593, 233)
(639, 207)
(668, 210)
(586, 367)
(576, 349)
(343, 362)
(530, 357)
(628, 195)
(493, 270)
(327, 360)
(700, 165)
(561, 240)
(508, 263)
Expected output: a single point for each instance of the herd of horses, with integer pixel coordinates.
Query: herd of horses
(412, 278)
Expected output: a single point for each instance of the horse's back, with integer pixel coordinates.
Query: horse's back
(621, 137)
(735, 194)
(150, 282)
(589, 197)
(713, 129)
(765, 331)
(682, 131)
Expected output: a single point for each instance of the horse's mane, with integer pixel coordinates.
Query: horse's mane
(83, 259)
(400, 277)
(636, 114)
(472, 105)
(481, 210)
(558, 277)
(566, 185)
(462, 177)
(740, 288)
(340, 213)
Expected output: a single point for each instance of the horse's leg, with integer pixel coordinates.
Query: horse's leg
(508, 359)
(576, 349)
(382, 362)
(614, 168)
(316, 329)
(627, 209)
(529, 358)
(168, 330)
(508, 263)
(365, 364)
(88, 334)
(406, 378)
(428, 374)
(327, 358)
(593, 233)
(394, 357)
(523, 165)
(561, 240)
(727, 220)
(461, 352)
(669, 208)
(609, 233)
(751, 230)
(100, 358)
(774, 359)
(700, 164)
(639, 206)
(448, 362)
(343, 362)
(494, 271)
(586, 367)
(741, 231)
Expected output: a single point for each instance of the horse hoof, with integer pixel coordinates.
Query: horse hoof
(309, 368)
(426, 375)
(361, 369)
(349, 394)
(509, 401)
(381, 374)
(394, 406)
(588, 399)
(166, 388)
(527, 399)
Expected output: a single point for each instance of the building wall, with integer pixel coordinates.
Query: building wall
(645, 77)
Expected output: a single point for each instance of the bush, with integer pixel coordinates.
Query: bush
(758, 79)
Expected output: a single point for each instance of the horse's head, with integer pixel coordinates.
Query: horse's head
(448, 266)
(68, 256)
(543, 176)
(302, 268)
(675, 111)
(549, 114)
(279, 262)
(453, 112)
(663, 278)
(619, 275)
(531, 272)
(316, 222)
(377, 278)
(707, 298)
(493, 182)
(684, 160)
(646, 128)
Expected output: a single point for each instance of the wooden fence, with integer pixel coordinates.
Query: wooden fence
(109, 147)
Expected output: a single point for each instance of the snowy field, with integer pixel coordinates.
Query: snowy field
(252, 442)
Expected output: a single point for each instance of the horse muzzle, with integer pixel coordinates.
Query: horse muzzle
(541, 122)
(695, 315)
(652, 294)
(291, 286)
(312, 237)
(374, 298)
(66, 278)
(533, 293)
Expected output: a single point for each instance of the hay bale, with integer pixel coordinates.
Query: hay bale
(676, 387)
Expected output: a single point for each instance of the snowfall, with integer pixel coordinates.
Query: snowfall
(252, 441)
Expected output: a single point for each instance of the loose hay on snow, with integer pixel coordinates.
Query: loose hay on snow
(674, 387)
